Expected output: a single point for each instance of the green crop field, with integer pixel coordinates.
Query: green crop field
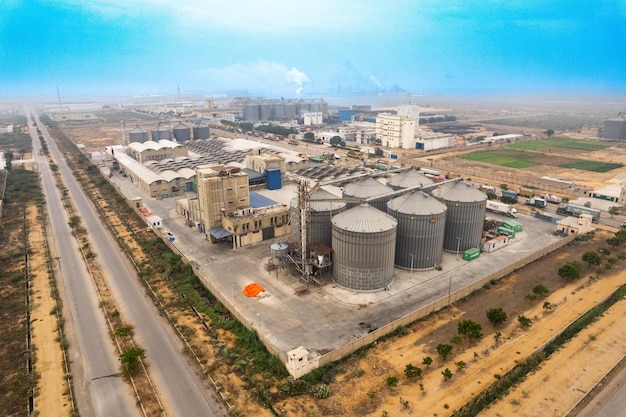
(592, 166)
(560, 143)
(505, 157)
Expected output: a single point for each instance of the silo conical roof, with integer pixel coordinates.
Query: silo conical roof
(460, 191)
(417, 203)
(366, 189)
(321, 200)
(409, 179)
(364, 219)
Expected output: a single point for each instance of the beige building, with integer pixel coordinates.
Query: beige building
(156, 151)
(395, 131)
(260, 161)
(222, 190)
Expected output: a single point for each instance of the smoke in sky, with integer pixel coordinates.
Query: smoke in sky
(296, 77)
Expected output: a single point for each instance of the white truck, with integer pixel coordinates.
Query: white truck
(501, 208)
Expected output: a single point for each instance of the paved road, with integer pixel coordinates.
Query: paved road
(182, 391)
(611, 401)
(100, 391)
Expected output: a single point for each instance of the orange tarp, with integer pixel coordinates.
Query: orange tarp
(252, 290)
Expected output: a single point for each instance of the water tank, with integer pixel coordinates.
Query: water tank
(421, 226)
(137, 135)
(181, 132)
(364, 243)
(200, 131)
(279, 250)
(160, 132)
(408, 179)
(323, 205)
(366, 189)
(273, 179)
(465, 215)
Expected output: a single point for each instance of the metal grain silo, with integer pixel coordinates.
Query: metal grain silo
(408, 179)
(181, 132)
(421, 226)
(323, 205)
(289, 110)
(200, 131)
(160, 132)
(465, 215)
(137, 135)
(363, 242)
(265, 111)
(365, 189)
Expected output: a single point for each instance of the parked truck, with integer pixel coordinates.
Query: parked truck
(525, 192)
(574, 210)
(510, 194)
(501, 208)
(536, 202)
(551, 198)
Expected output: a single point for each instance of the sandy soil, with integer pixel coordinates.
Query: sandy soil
(52, 386)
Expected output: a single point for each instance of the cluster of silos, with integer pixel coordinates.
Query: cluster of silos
(364, 243)
(360, 191)
(421, 226)
(465, 215)
(323, 205)
(408, 179)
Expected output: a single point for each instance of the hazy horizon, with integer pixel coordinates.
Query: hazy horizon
(348, 48)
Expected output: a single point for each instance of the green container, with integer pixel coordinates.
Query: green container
(471, 253)
(506, 231)
(513, 225)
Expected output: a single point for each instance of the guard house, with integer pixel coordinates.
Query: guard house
(300, 362)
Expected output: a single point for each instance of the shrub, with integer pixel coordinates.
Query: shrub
(470, 329)
(524, 321)
(392, 381)
(444, 350)
(412, 371)
(496, 316)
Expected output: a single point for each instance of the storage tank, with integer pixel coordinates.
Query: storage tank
(279, 250)
(365, 189)
(289, 110)
(421, 226)
(160, 132)
(465, 215)
(137, 135)
(181, 132)
(323, 205)
(408, 179)
(200, 131)
(364, 243)
(273, 179)
(251, 112)
(265, 111)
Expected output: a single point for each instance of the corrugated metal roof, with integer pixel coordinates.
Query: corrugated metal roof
(417, 203)
(409, 179)
(460, 191)
(364, 218)
(258, 201)
(367, 188)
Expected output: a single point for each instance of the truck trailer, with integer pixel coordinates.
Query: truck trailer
(536, 202)
(574, 210)
(501, 208)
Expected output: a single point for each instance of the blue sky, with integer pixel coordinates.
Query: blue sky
(284, 48)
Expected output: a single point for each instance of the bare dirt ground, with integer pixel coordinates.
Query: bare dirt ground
(360, 388)
(52, 388)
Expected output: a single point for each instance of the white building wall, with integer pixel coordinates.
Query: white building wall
(409, 111)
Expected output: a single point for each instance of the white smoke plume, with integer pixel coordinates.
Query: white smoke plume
(298, 78)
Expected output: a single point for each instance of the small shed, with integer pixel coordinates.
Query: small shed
(496, 243)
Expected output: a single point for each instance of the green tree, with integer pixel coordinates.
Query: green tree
(496, 316)
(591, 258)
(378, 152)
(613, 241)
(427, 361)
(337, 141)
(547, 305)
(613, 210)
(456, 340)
(570, 270)
(541, 290)
(309, 136)
(447, 374)
(392, 381)
(497, 336)
(549, 132)
(130, 360)
(524, 321)
(412, 371)
(470, 329)
(504, 186)
(444, 350)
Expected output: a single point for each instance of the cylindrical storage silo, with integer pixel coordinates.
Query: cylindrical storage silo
(137, 135)
(160, 132)
(365, 189)
(421, 226)
(181, 132)
(465, 215)
(279, 250)
(408, 179)
(323, 206)
(200, 131)
(364, 242)
(265, 111)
